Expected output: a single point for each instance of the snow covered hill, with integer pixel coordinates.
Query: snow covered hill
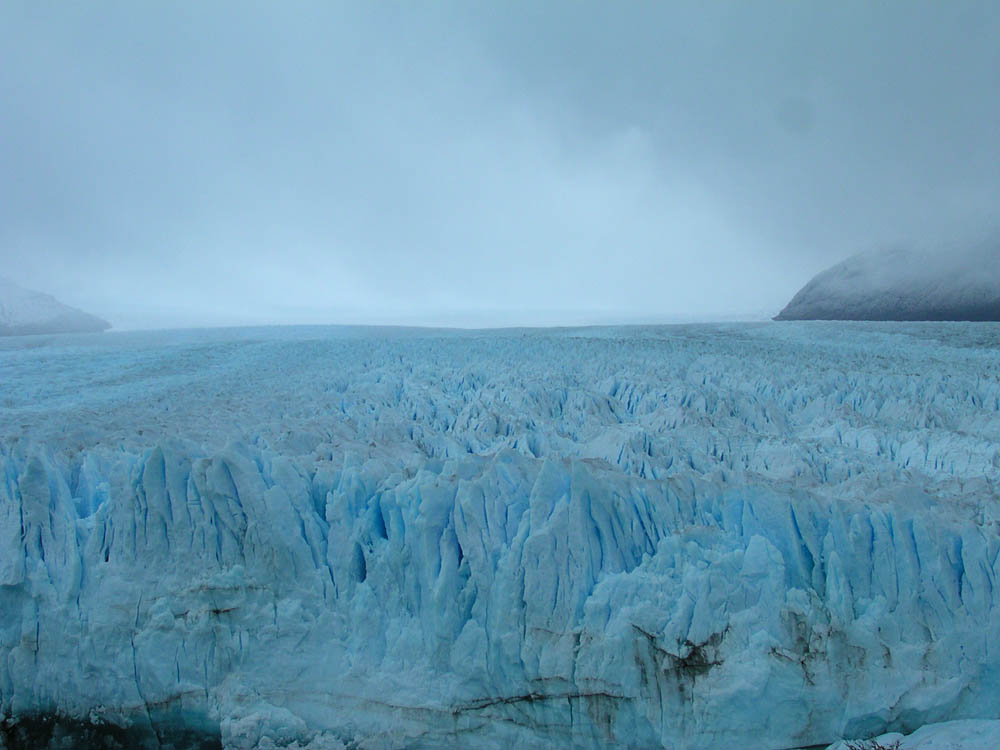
(961, 284)
(755, 536)
(26, 312)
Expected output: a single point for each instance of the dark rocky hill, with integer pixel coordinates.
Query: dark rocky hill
(904, 285)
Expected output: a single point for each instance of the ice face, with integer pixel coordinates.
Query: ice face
(754, 536)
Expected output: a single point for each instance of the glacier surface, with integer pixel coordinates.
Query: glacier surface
(755, 536)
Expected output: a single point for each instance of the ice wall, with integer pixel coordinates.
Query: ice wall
(686, 544)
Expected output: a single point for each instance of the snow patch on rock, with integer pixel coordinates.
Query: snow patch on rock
(899, 284)
(24, 312)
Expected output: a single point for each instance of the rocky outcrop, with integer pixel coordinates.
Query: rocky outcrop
(904, 285)
(24, 312)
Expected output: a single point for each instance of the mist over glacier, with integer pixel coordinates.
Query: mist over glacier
(761, 536)
(752, 536)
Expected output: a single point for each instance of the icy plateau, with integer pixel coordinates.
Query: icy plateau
(694, 537)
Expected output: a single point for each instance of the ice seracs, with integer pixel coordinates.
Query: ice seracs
(24, 312)
(755, 536)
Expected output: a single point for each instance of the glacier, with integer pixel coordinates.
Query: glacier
(765, 536)
(970, 734)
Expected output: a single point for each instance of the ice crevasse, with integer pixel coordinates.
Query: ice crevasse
(691, 545)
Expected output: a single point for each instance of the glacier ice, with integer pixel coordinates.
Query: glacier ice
(968, 734)
(757, 536)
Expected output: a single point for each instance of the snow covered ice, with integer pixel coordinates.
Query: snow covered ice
(753, 536)
(970, 734)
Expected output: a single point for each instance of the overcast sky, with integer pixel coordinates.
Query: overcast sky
(213, 163)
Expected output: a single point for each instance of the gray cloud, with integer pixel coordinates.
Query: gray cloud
(216, 163)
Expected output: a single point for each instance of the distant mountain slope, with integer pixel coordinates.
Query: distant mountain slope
(904, 285)
(24, 312)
